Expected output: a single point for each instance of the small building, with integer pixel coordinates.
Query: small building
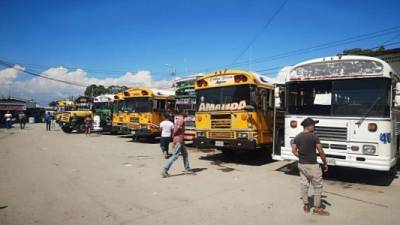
(12, 104)
(16, 105)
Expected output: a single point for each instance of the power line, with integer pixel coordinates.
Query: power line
(319, 47)
(264, 27)
(326, 45)
(277, 68)
(13, 66)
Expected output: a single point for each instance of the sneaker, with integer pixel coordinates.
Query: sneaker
(164, 174)
(320, 212)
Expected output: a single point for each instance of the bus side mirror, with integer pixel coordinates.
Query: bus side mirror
(396, 102)
(277, 101)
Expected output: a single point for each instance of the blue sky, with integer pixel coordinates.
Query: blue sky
(109, 38)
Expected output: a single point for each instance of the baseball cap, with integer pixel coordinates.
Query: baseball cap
(308, 121)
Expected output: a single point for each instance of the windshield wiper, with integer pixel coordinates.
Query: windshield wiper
(368, 111)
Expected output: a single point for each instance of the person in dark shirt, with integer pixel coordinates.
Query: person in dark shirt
(47, 119)
(305, 147)
(22, 120)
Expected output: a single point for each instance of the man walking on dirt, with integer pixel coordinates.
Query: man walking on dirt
(167, 128)
(47, 120)
(179, 146)
(22, 120)
(304, 147)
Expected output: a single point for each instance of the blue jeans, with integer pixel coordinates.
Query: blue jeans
(180, 148)
(8, 124)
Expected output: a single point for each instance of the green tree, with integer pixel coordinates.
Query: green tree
(95, 90)
(360, 51)
(53, 104)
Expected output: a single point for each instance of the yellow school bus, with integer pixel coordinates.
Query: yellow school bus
(234, 111)
(62, 106)
(120, 117)
(147, 108)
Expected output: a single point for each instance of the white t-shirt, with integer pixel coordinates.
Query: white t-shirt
(166, 128)
(8, 116)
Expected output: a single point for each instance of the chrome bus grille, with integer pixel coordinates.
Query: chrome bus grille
(221, 121)
(331, 133)
(220, 135)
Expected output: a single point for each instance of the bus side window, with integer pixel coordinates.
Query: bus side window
(170, 105)
(155, 102)
(271, 98)
(161, 105)
(264, 99)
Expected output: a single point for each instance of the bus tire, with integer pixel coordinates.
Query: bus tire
(80, 128)
(66, 129)
(388, 176)
(228, 153)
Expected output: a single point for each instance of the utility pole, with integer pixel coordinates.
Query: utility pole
(173, 73)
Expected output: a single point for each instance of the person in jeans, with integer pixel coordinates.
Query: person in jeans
(8, 118)
(22, 120)
(305, 146)
(47, 119)
(179, 146)
(167, 128)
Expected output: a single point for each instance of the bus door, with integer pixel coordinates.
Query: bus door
(278, 120)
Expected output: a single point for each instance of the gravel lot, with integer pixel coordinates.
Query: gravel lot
(56, 178)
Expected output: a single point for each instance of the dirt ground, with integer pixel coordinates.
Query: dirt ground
(57, 178)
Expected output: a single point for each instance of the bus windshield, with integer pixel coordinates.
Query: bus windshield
(340, 97)
(183, 92)
(138, 105)
(118, 106)
(102, 105)
(224, 98)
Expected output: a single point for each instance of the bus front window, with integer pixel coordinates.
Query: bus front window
(340, 97)
(138, 105)
(101, 105)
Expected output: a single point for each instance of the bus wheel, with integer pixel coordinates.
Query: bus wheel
(228, 153)
(388, 176)
(80, 128)
(135, 138)
(66, 129)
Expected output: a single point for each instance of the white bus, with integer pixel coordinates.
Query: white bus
(356, 100)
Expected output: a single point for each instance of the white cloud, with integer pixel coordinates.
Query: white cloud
(8, 75)
(44, 90)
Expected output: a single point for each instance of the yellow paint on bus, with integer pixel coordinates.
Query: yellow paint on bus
(234, 111)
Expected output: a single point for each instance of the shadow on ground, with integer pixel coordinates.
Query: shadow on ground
(349, 175)
(253, 158)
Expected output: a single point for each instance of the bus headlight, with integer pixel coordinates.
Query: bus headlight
(201, 134)
(242, 135)
(369, 149)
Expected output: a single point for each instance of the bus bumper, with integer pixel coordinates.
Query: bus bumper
(236, 144)
(189, 136)
(145, 133)
(120, 129)
(346, 160)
